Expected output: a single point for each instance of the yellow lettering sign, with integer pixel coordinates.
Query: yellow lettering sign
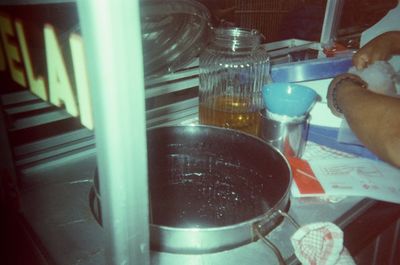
(57, 89)
(2, 59)
(81, 80)
(36, 85)
(60, 88)
(11, 50)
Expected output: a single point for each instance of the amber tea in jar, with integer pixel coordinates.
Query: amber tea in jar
(233, 69)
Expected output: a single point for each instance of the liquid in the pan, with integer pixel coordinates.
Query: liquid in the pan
(217, 194)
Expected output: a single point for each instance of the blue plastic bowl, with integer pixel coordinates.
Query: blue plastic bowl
(288, 99)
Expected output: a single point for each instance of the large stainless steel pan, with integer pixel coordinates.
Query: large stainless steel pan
(210, 188)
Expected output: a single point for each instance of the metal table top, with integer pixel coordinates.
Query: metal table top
(59, 213)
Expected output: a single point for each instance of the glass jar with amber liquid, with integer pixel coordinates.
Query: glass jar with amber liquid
(233, 69)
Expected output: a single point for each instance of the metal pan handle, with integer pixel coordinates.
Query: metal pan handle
(266, 241)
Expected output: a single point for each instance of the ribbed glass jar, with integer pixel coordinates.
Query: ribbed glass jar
(233, 69)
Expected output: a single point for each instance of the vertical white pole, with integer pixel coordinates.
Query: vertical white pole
(112, 37)
(333, 12)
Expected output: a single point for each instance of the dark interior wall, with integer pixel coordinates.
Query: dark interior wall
(301, 19)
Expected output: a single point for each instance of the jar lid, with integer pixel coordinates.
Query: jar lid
(174, 32)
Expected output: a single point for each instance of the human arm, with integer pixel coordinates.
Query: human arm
(380, 48)
(373, 118)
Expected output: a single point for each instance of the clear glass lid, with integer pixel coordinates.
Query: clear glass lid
(174, 33)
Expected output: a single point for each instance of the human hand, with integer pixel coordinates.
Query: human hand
(380, 48)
